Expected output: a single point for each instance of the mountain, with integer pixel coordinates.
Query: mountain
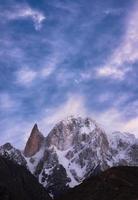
(11, 153)
(18, 183)
(120, 183)
(74, 150)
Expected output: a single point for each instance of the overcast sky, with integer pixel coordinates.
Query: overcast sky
(67, 57)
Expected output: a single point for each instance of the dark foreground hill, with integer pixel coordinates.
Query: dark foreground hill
(120, 183)
(16, 183)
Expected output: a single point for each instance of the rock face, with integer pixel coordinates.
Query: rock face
(74, 150)
(18, 183)
(34, 142)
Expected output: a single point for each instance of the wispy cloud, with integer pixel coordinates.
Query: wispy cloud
(113, 120)
(47, 71)
(126, 54)
(113, 11)
(132, 126)
(25, 76)
(15, 131)
(50, 65)
(24, 11)
(112, 72)
(74, 105)
(66, 58)
(6, 102)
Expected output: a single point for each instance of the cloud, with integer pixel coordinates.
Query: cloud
(24, 11)
(132, 126)
(111, 120)
(114, 120)
(64, 77)
(50, 65)
(25, 76)
(74, 105)
(6, 101)
(126, 54)
(112, 72)
(16, 131)
(53, 65)
(47, 71)
(107, 96)
(35, 15)
(113, 11)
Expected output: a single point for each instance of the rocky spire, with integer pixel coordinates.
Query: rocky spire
(34, 142)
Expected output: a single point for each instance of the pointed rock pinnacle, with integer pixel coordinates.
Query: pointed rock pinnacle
(34, 142)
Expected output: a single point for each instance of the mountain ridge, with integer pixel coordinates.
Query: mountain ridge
(75, 149)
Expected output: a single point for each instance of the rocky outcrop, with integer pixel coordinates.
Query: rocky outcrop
(13, 154)
(34, 142)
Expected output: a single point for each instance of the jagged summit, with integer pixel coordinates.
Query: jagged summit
(35, 129)
(77, 119)
(7, 146)
(72, 131)
(34, 142)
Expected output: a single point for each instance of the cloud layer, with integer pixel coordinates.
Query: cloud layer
(67, 58)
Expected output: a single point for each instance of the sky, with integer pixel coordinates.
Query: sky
(64, 57)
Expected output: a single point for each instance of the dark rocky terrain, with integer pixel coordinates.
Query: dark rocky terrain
(118, 183)
(17, 183)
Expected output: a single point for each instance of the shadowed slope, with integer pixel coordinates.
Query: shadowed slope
(119, 183)
(17, 183)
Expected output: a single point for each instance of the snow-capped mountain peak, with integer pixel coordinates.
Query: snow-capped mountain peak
(70, 131)
(75, 146)
(75, 149)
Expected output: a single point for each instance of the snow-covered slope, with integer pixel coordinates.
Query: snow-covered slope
(124, 149)
(75, 149)
(80, 146)
(8, 151)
